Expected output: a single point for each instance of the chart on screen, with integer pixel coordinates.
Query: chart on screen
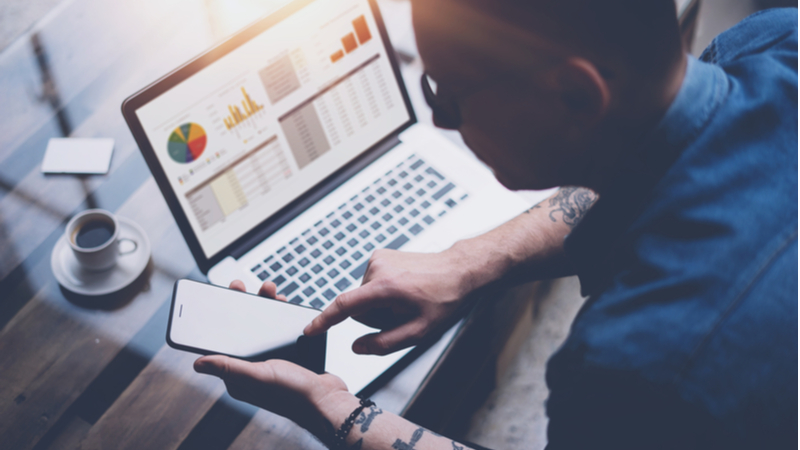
(186, 143)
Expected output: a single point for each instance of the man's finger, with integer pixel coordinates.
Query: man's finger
(390, 341)
(352, 303)
(268, 289)
(225, 367)
(238, 285)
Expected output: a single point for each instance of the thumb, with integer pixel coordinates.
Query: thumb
(223, 366)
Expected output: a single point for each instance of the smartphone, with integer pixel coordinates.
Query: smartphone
(208, 319)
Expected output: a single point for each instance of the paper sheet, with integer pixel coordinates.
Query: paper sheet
(78, 155)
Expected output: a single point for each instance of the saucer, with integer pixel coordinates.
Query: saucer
(75, 278)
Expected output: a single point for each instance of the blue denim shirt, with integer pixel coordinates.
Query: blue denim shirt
(689, 337)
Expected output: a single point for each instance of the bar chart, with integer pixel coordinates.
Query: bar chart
(237, 116)
(351, 41)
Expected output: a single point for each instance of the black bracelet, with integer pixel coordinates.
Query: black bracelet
(339, 437)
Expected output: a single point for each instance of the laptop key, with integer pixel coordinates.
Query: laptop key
(263, 275)
(279, 280)
(426, 204)
(392, 229)
(256, 268)
(329, 294)
(357, 255)
(304, 262)
(431, 184)
(428, 219)
(276, 266)
(441, 192)
(410, 200)
(376, 225)
(434, 173)
(317, 303)
(343, 284)
(341, 251)
(312, 240)
(374, 211)
(321, 282)
(296, 300)
(381, 190)
(300, 249)
(352, 242)
(335, 223)
(402, 221)
(339, 236)
(408, 186)
(397, 194)
(364, 234)
(385, 202)
(370, 198)
(398, 242)
(315, 253)
(316, 269)
(387, 217)
(402, 174)
(414, 213)
(351, 227)
(450, 202)
(291, 287)
(347, 215)
(288, 257)
(327, 245)
(416, 229)
(329, 260)
(369, 247)
(398, 209)
(363, 219)
(304, 277)
(333, 273)
(418, 178)
(358, 207)
(324, 232)
(380, 238)
(291, 271)
(308, 291)
(416, 165)
(420, 192)
(345, 264)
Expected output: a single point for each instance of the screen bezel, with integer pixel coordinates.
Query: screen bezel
(283, 216)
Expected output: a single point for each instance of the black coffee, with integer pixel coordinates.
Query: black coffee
(94, 233)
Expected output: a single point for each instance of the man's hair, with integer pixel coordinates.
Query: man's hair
(643, 34)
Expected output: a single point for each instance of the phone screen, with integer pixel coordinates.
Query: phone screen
(209, 319)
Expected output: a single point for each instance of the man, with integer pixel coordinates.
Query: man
(689, 337)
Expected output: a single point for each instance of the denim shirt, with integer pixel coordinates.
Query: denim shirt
(689, 336)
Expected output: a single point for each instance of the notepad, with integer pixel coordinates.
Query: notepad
(78, 155)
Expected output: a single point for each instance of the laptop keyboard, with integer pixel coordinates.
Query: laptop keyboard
(326, 259)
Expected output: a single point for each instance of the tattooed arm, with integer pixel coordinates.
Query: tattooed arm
(410, 296)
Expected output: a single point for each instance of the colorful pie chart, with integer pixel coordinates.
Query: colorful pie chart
(186, 143)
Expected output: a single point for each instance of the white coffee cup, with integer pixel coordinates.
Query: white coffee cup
(94, 238)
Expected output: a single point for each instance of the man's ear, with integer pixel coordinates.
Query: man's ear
(583, 91)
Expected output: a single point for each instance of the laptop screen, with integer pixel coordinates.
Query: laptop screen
(260, 126)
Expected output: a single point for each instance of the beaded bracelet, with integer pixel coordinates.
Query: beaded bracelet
(339, 437)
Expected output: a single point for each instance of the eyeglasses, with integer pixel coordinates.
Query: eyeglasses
(446, 111)
(446, 114)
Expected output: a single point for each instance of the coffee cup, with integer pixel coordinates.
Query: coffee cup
(94, 238)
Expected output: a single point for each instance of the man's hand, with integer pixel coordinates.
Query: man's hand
(408, 296)
(280, 386)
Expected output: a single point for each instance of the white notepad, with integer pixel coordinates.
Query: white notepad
(78, 155)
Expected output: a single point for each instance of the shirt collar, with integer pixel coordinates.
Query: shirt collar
(590, 246)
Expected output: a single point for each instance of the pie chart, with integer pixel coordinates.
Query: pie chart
(186, 143)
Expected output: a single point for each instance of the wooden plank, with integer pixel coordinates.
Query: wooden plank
(271, 431)
(52, 349)
(159, 409)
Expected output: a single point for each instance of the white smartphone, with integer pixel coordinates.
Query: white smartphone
(208, 319)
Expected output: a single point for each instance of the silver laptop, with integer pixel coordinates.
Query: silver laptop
(291, 152)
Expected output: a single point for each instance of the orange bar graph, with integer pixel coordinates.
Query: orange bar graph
(236, 117)
(362, 30)
(337, 56)
(349, 43)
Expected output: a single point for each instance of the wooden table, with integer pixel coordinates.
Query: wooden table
(80, 372)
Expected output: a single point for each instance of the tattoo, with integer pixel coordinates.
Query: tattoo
(366, 419)
(400, 445)
(358, 444)
(573, 203)
(457, 447)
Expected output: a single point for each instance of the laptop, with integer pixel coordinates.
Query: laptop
(291, 152)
